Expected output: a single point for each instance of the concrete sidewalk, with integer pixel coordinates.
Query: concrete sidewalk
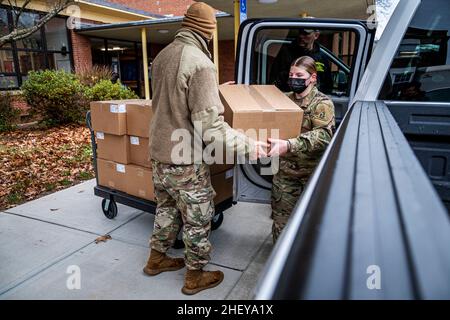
(42, 239)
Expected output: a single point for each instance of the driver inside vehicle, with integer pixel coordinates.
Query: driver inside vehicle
(306, 44)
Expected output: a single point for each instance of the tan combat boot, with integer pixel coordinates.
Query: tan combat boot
(158, 262)
(198, 280)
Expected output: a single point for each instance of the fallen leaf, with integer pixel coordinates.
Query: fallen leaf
(104, 238)
(34, 161)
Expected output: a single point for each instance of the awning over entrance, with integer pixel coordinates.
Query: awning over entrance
(159, 31)
(344, 9)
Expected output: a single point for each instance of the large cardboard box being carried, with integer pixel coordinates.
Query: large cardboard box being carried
(219, 168)
(223, 185)
(261, 107)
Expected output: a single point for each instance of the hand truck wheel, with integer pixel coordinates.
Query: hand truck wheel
(179, 244)
(216, 221)
(109, 208)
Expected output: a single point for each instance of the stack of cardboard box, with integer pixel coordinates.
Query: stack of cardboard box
(122, 134)
(122, 146)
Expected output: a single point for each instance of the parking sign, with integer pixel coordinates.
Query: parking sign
(243, 10)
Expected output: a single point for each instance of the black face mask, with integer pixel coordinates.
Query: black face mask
(297, 85)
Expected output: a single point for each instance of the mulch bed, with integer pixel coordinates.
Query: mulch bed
(36, 162)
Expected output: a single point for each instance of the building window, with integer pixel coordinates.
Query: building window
(47, 48)
(34, 41)
(31, 61)
(4, 27)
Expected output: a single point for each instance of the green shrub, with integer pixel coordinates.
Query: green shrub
(56, 95)
(60, 97)
(8, 114)
(106, 90)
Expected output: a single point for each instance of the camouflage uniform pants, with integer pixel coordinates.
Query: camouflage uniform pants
(286, 190)
(184, 196)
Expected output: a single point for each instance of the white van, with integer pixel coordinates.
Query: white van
(377, 200)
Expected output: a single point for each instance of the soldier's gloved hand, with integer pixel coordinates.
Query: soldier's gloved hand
(278, 147)
(259, 150)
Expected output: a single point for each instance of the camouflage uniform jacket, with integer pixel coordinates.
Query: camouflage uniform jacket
(317, 131)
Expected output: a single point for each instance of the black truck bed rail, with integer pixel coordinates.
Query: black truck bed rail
(369, 212)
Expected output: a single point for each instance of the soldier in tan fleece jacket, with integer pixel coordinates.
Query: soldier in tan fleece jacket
(186, 103)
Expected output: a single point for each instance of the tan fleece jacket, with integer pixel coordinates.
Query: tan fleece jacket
(185, 91)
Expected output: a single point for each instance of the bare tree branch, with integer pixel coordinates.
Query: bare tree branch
(19, 33)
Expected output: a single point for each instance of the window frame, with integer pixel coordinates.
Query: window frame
(15, 50)
(251, 26)
(405, 103)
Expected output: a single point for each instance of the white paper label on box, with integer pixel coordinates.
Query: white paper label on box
(229, 173)
(100, 135)
(120, 167)
(122, 108)
(134, 140)
(118, 108)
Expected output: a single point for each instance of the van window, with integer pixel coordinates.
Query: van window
(420, 70)
(276, 48)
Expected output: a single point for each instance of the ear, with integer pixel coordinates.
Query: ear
(314, 78)
(316, 35)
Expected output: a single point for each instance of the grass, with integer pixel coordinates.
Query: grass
(85, 153)
(85, 175)
(66, 173)
(65, 182)
(50, 187)
(14, 198)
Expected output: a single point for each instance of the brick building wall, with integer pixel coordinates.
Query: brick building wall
(175, 7)
(18, 102)
(81, 50)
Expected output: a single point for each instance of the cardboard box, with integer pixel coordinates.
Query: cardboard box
(112, 175)
(139, 115)
(219, 168)
(139, 151)
(112, 147)
(139, 182)
(223, 185)
(261, 107)
(110, 116)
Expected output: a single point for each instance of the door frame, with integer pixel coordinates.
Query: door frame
(245, 175)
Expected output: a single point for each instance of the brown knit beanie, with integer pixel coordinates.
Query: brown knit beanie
(200, 18)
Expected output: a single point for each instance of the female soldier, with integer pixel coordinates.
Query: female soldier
(299, 156)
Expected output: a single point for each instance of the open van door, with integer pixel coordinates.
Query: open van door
(344, 46)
